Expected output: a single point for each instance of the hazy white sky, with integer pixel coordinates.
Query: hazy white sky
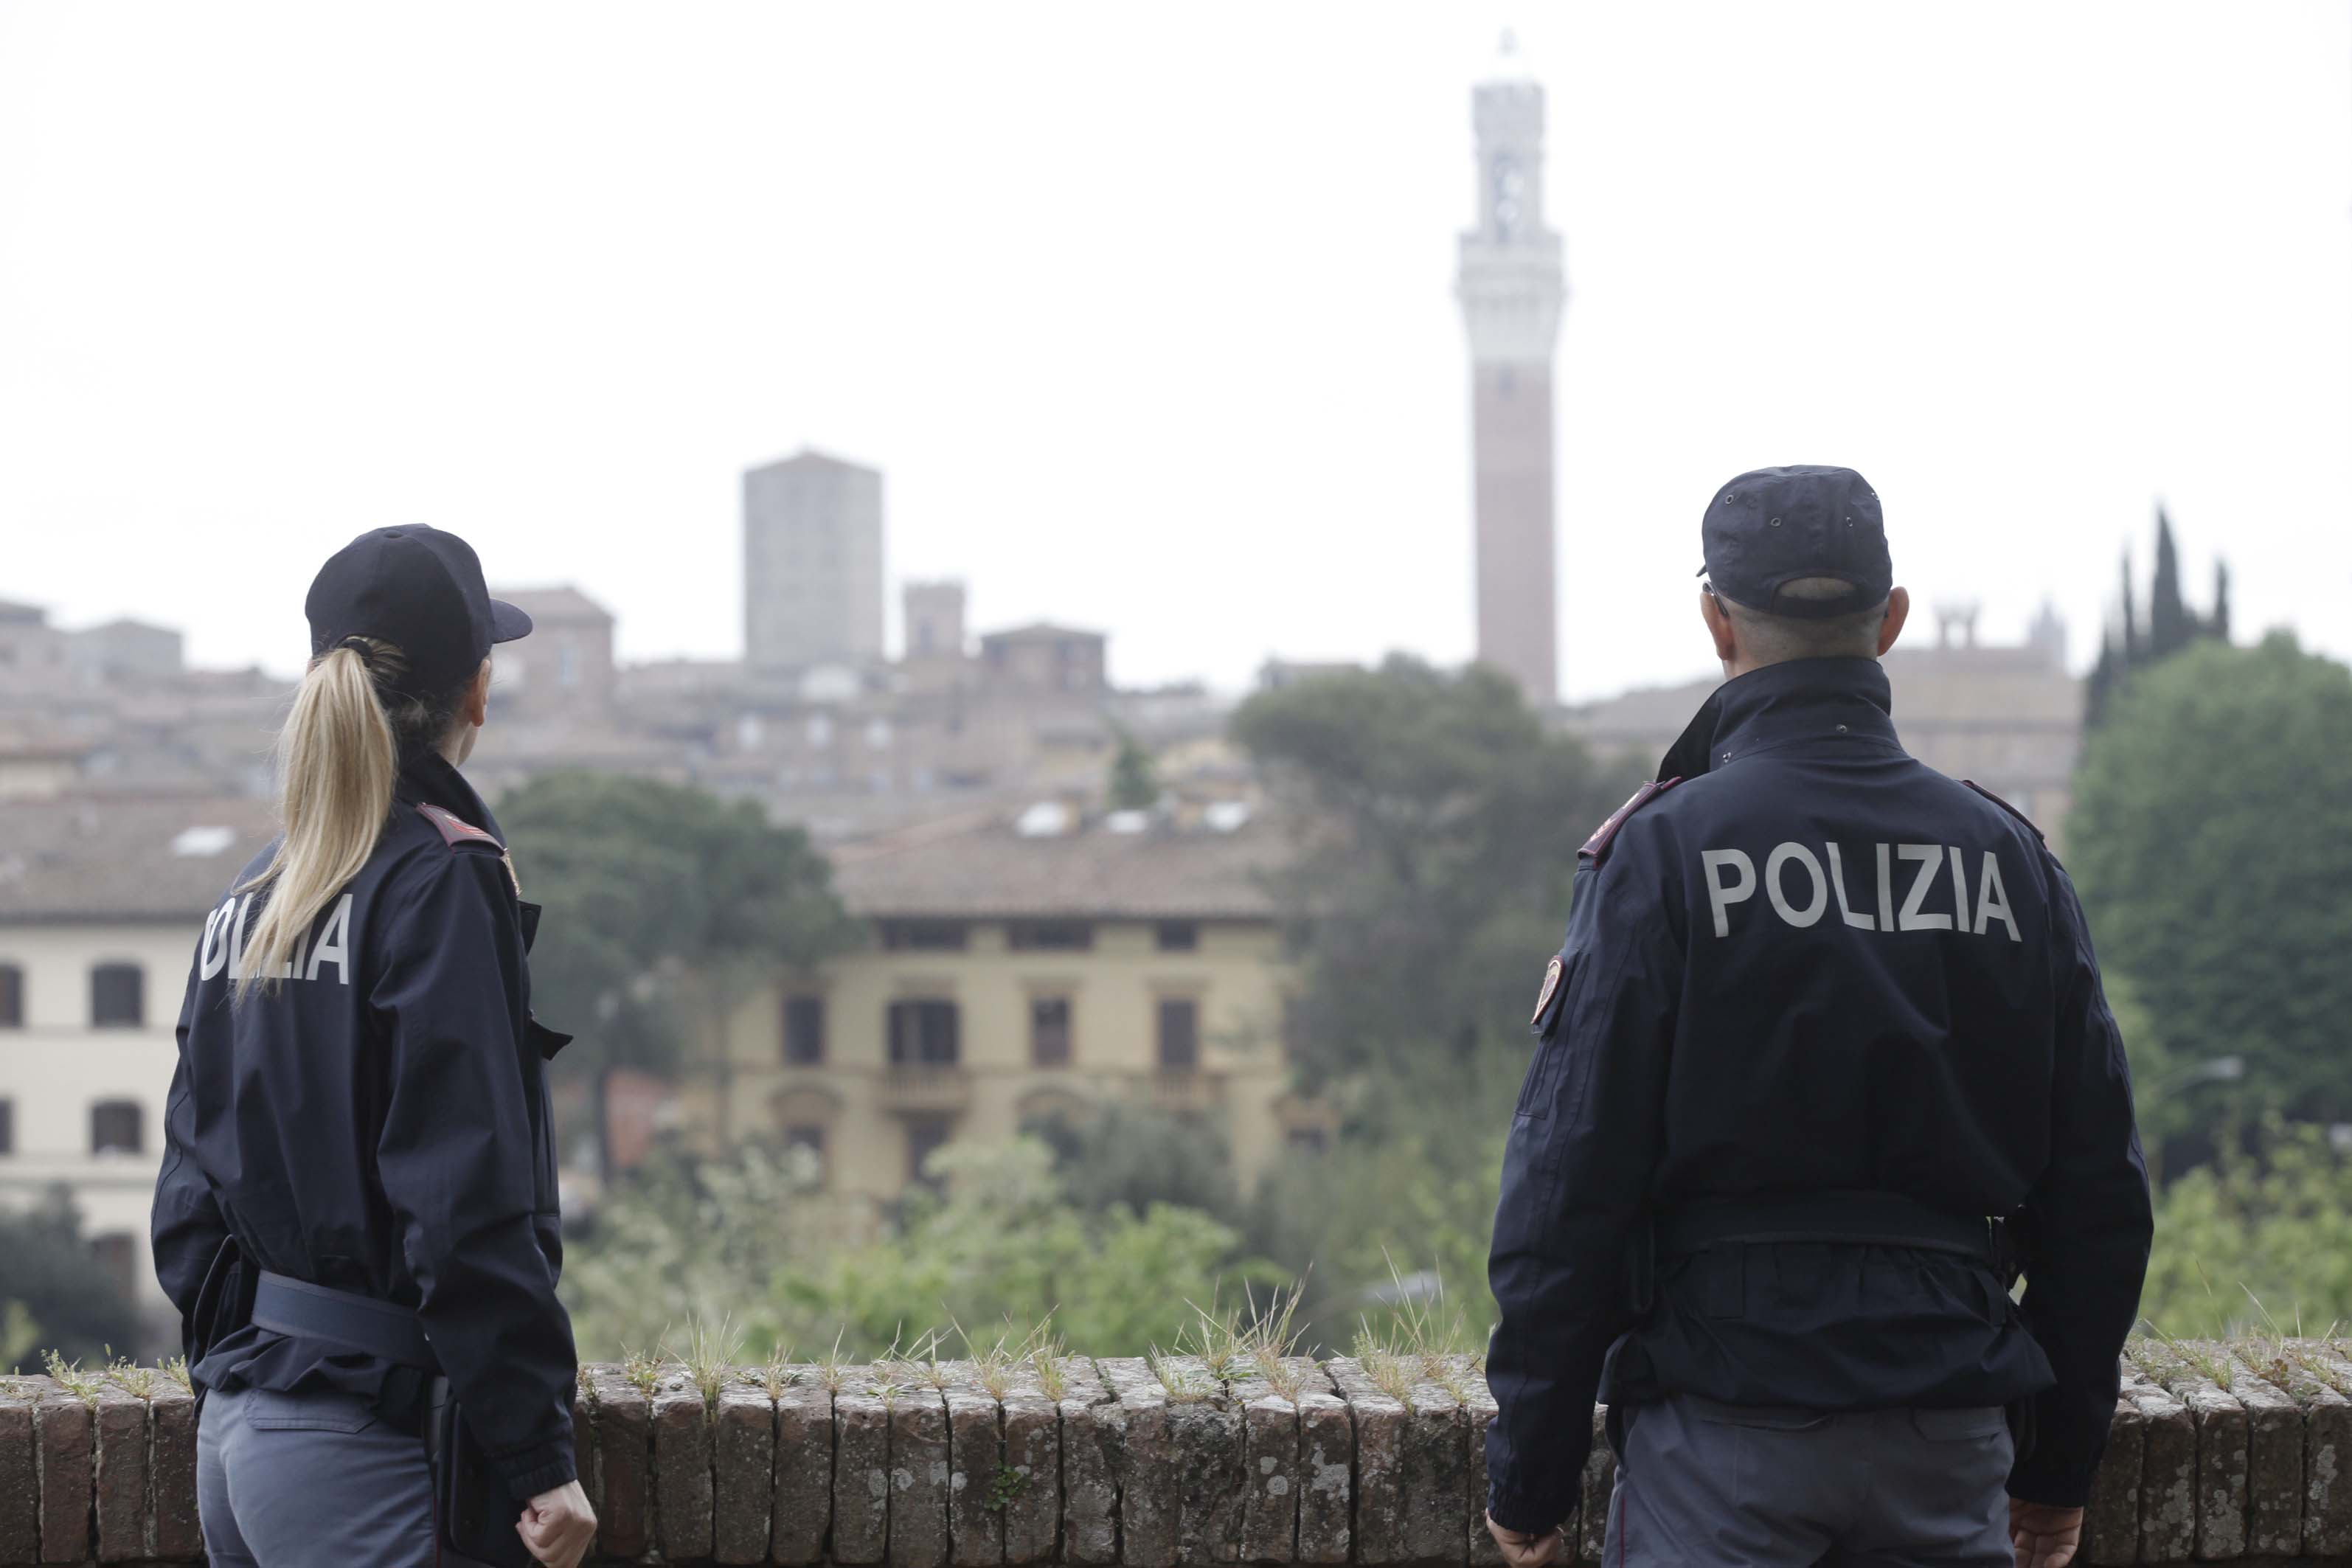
(1146, 313)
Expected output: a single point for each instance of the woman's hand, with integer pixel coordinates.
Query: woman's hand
(557, 1526)
(1523, 1551)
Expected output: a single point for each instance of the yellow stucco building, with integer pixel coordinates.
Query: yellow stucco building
(1015, 970)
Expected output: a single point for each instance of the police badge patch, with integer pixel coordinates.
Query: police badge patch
(1551, 984)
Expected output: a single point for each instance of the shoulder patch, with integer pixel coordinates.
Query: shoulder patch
(454, 829)
(1597, 846)
(2007, 807)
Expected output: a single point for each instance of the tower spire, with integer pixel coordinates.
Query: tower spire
(1511, 291)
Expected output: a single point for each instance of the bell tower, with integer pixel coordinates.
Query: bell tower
(1509, 283)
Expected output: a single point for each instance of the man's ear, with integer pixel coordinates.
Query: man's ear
(1898, 610)
(1718, 626)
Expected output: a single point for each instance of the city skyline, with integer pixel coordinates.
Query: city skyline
(1193, 379)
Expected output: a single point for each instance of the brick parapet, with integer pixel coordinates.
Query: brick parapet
(2218, 1453)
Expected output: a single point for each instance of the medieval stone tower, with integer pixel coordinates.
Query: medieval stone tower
(1511, 292)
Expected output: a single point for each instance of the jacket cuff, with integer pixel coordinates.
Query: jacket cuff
(530, 1471)
(1528, 1516)
(2052, 1486)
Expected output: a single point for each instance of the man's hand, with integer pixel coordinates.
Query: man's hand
(557, 1526)
(1522, 1551)
(2043, 1536)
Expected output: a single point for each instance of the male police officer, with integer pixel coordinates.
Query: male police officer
(1821, 1012)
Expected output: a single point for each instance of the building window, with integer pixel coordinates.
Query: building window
(926, 936)
(923, 1034)
(803, 1031)
(811, 1137)
(8, 1126)
(117, 1127)
(11, 996)
(118, 997)
(1049, 1031)
(925, 1136)
(1179, 936)
(1051, 936)
(1180, 1035)
(567, 665)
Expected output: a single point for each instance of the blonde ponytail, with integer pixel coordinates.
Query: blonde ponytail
(337, 759)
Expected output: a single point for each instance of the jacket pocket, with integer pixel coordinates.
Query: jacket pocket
(1540, 1087)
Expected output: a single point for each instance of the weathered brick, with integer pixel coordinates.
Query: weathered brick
(1383, 1517)
(20, 1485)
(2111, 1519)
(119, 1478)
(742, 1468)
(2221, 1423)
(1033, 1450)
(584, 1438)
(1091, 1444)
(975, 1456)
(1435, 1470)
(1150, 1495)
(64, 1428)
(1206, 1427)
(861, 1469)
(1590, 1531)
(625, 1459)
(803, 1505)
(174, 1531)
(1327, 1464)
(681, 1427)
(1477, 1415)
(918, 1479)
(2167, 1494)
(2274, 1458)
(1270, 1474)
(2327, 1447)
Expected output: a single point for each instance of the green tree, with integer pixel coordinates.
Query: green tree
(750, 1237)
(663, 905)
(2212, 839)
(1438, 822)
(1134, 782)
(2260, 1241)
(48, 1271)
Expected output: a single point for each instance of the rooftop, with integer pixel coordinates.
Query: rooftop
(129, 859)
(982, 867)
(554, 604)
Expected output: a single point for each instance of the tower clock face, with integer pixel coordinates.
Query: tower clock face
(1508, 183)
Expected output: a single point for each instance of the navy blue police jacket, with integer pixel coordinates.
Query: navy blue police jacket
(1806, 964)
(379, 1123)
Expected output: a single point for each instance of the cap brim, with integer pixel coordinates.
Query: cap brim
(507, 622)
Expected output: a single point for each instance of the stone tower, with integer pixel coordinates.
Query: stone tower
(1511, 292)
(812, 563)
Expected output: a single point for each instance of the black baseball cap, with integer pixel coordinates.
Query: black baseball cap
(1771, 526)
(419, 589)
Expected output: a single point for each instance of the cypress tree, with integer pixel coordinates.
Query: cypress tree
(2098, 687)
(2219, 624)
(2133, 653)
(2169, 624)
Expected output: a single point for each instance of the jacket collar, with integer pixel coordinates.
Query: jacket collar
(427, 779)
(1795, 700)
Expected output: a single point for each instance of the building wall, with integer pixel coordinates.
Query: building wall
(812, 563)
(56, 1066)
(563, 666)
(868, 1110)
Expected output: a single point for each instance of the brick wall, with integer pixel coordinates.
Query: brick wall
(2219, 1454)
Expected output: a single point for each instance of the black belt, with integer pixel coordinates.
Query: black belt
(1855, 1218)
(345, 1318)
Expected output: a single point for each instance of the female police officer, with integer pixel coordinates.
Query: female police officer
(357, 1211)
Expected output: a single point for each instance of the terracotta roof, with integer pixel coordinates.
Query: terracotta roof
(977, 868)
(113, 858)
